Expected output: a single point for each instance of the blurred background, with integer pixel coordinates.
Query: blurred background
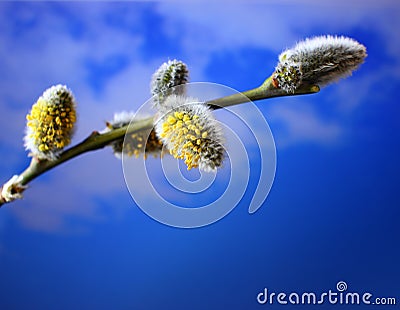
(78, 241)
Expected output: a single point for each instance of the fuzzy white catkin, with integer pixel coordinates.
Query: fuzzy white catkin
(168, 79)
(12, 189)
(325, 59)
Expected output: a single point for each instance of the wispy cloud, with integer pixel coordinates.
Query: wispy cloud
(301, 124)
(71, 191)
(76, 43)
(48, 51)
(279, 25)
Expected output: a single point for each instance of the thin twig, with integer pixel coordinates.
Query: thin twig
(98, 140)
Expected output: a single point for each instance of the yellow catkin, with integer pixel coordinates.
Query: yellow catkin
(185, 130)
(190, 132)
(50, 123)
(135, 145)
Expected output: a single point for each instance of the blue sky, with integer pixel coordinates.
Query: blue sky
(77, 239)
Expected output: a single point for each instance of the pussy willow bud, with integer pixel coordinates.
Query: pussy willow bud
(12, 189)
(322, 60)
(134, 144)
(190, 132)
(168, 75)
(287, 76)
(50, 123)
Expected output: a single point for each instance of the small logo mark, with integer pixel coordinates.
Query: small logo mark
(341, 286)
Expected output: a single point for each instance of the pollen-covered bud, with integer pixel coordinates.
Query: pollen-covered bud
(287, 76)
(134, 144)
(325, 59)
(12, 189)
(164, 81)
(50, 124)
(190, 132)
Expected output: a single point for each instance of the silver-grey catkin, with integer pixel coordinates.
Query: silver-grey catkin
(326, 59)
(168, 79)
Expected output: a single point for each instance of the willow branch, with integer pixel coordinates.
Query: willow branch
(98, 140)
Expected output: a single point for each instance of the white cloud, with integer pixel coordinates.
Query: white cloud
(45, 54)
(48, 53)
(71, 191)
(277, 25)
(274, 25)
(299, 123)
